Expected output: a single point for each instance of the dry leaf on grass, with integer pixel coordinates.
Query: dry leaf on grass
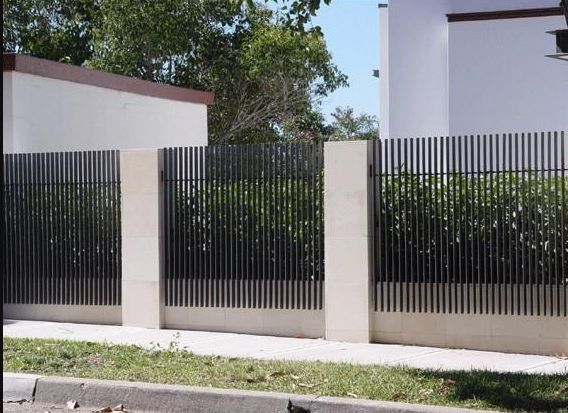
(275, 374)
(353, 395)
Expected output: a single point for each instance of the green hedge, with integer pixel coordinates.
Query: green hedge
(508, 227)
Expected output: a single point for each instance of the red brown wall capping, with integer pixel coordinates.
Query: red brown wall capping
(78, 74)
(505, 14)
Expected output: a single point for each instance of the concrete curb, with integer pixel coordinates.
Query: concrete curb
(18, 387)
(145, 397)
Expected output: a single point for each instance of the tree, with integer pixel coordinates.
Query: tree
(309, 126)
(262, 71)
(53, 29)
(264, 67)
(347, 126)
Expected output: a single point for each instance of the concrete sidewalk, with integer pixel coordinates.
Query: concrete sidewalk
(282, 348)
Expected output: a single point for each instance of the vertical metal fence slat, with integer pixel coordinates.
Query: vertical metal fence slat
(209, 200)
(547, 247)
(167, 241)
(265, 183)
(377, 197)
(553, 215)
(530, 220)
(498, 221)
(71, 188)
(523, 227)
(18, 229)
(8, 271)
(97, 201)
(118, 238)
(18, 212)
(101, 195)
(184, 228)
(313, 216)
(436, 224)
(233, 229)
(537, 269)
(109, 224)
(404, 216)
(509, 308)
(563, 220)
(164, 177)
(466, 220)
(191, 228)
(33, 242)
(29, 231)
(249, 200)
(176, 212)
(93, 179)
(301, 276)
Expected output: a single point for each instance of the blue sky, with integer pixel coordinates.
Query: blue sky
(351, 29)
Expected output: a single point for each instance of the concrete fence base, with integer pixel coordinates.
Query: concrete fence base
(271, 322)
(88, 314)
(543, 335)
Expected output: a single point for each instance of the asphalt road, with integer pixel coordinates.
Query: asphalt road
(42, 408)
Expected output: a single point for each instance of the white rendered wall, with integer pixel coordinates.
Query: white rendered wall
(500, 80)
(417, 73)
(472, 6)
(384, 130)
(55, 115)
(7, 117)
(434, 68)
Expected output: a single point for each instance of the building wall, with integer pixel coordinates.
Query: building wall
(469, 6)
(469, 77)
(417, 73)
(500, 80)
(7, 116)
(57, 115)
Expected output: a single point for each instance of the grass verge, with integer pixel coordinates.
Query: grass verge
(477, 389)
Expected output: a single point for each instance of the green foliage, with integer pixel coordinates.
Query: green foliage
(508, 227)
(76, 234)
(54, 29)
(347, 126)
(279, 223)
(307, 127)
(474, 389)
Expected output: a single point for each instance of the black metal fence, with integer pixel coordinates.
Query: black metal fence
(474, 224)
(244, 226)
(62, 228)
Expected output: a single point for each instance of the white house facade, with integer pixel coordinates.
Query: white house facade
(457, 67)
(49, 106)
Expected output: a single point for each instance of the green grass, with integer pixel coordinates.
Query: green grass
(478, 389)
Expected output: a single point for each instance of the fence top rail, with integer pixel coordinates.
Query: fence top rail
(245, 145)
(526, 134)
(59, 153)
(62, 168)
(519, 153)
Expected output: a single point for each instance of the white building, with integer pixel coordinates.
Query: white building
(455, 67)
(49, 106)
